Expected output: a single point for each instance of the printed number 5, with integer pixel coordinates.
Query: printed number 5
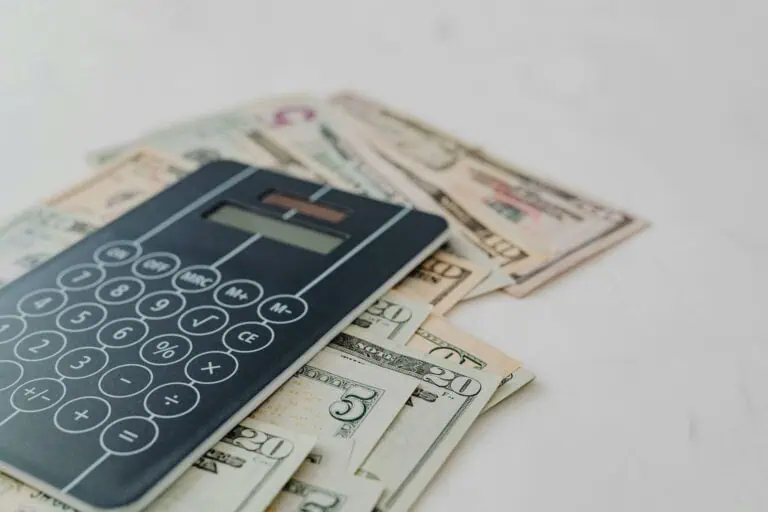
(352, 407)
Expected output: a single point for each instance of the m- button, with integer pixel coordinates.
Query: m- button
(197, 278)
(238, 293)
(283, 309)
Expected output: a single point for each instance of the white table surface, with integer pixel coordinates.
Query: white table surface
(652, 360)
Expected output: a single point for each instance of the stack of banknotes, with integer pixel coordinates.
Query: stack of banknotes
(371, 419)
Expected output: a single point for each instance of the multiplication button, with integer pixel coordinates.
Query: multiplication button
(126, 380)
(38, 395)
(42, 302)
(172, 400)
(156, 265)
(40, 345)
(248, 337)
(81, 277)
(10, 373)
(11, 327)
(283, 309)
(159, 305)
(128, 436)
(120, 290)
(82, 414)
(82, 362)
(197, 278)
(117, 253)
(81, 317)
(238, 293)
(211, 367)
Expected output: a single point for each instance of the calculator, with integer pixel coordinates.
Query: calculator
(128, 355)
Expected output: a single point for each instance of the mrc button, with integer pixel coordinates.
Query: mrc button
(238, 293)
(196, 278)
(283, 309)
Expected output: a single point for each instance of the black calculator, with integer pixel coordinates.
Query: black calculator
(127, 356)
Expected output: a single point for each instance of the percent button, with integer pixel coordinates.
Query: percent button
(166, 349)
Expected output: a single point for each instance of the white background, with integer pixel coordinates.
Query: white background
(652, 360)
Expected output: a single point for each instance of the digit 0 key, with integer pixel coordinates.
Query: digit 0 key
(127, 356)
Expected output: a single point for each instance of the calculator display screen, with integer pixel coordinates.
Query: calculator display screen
(276, 229)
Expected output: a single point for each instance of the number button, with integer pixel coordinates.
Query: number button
(10, 374)
(120, 290)
(128, 436)
(159, 305)
(166, 349)
(117, 253)
(238, 293)
(283, 309)
(82, 362)
(40, 345)
(81, 317)
(11, 327)
(126, 380)
(156, 265)
(122, 332)
(197, 278)
(248, 337)
(172, 400)
(42, 302)
(82, 414)
(211, 367)
(203, 320)
(38, 395)
(81, 277)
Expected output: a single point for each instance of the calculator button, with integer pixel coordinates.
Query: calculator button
(120, 290)
(156, 265)
(129, 436)
(238, 293)
(211, 367)
(42, 302)
(172, 400)
(159, 305)
(248, 337)
(81, 277)
(82, 414)
(82, 362)
(117, 253)
(10, 373)
(166, 349)
(38, 395)
(122, 332)
(11, 327)
(126, 380)
(40, 345)
(197, 278)
(81, 317)
(203, 320)
(283, 309)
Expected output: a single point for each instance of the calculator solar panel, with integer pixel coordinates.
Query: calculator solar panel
(129, 354)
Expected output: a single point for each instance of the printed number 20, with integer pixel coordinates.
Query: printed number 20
(461, 384)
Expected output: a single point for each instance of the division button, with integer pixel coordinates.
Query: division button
(11, 327)
(211, 367)
(166, 349)
(156, 265)
(120, 290)
(81, 277)
(39, 345)
(122, 332)
(162, 304)
(129, 436)
(172, 400)
(238, 293)
(10, 373)
(82, 362)
(197, 278)
(126, 380)
(283, 309)
(42, 302)
(203, 320)
(81, 317)
(117, 253)
(38, 395)
(82, 414)
(248, 337)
